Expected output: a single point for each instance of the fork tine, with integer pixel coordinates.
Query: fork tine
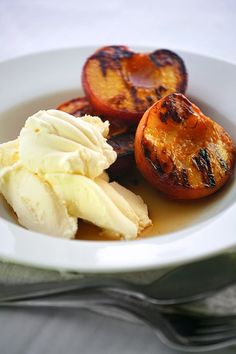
(215, 326)
(213, 329)
(209, 320)
(213, 337)
(193, 330)
(216, 329)
(189, 331)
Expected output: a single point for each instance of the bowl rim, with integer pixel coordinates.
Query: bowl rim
(103, 256)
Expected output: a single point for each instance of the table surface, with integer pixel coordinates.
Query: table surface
(202, 26)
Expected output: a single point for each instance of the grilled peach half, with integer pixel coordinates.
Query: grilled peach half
(77, 107)
(123, 144)
(182, 152)
(120, 83)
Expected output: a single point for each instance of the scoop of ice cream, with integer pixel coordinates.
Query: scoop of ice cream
(54, 141)
(9, 153)
(35, 203)
(99, 202)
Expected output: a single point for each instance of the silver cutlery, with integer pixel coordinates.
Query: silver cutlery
(182, 330)
(184, 284)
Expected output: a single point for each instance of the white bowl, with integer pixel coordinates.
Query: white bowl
(44, 80)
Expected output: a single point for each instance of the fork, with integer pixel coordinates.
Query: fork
(178, 286)
(178, 328)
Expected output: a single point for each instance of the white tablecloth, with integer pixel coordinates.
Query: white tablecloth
(26, 26)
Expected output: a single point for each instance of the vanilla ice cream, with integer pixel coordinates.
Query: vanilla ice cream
(9, 153)
(98, 202)
(35, 203)
(54, 141)
(55, 173)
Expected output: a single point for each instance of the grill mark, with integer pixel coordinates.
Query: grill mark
(110, 57)
(179, 178)
(186, 105)
(204, 155)
(222, 162)
(185, 180)
(203, 164)
(156, 163)
(160, 59)
(159, 91)
(133, 92)
(177, 108)
(103, 66)
(121, 52)
(137, 101)
(157, 166)
(174, 176)
(149, 100)
(117, 100)
(170, 112)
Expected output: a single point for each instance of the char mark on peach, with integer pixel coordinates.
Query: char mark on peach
(180, 178)
(109, 58)
(161, 58)
(203, 164)
(177, 107)
(154, 162)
